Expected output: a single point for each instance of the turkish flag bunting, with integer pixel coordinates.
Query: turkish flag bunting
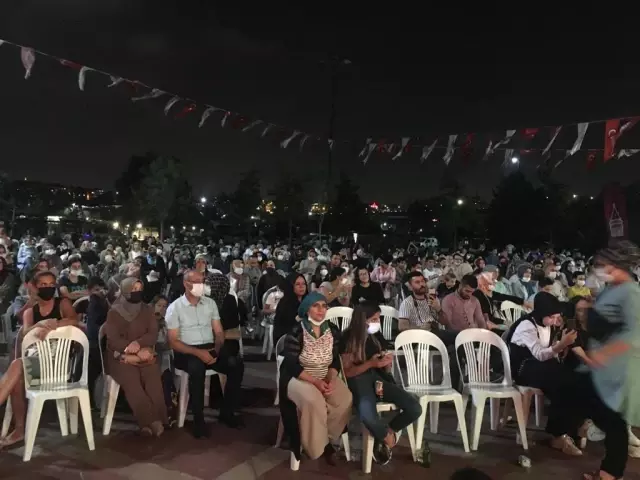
(529, 133)
(591, 160)
(611, 131)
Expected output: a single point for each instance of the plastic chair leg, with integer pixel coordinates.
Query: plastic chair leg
(31, 429)
(434, 413)
(478, 412)
(280, 433)
(346, 446)
(207, 390)
(517, 403)
(367, 450)
(106, 380)
(114, 389)
(424, 403)
(6, 422)
(85, 407)
(294, 463)
(183, 399)
(63, 419)
(539, 401)
(494, 405)
(73, 415)
(465, 402)
(461, 422)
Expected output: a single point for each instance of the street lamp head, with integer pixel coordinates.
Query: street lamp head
(139, 226)
(203, 200)
(514, 160)
(460, 201)
(115, 225)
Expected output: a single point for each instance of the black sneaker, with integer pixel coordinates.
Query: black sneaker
(381, 453)
(231, 421)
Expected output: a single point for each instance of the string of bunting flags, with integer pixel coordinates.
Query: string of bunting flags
(540, 141)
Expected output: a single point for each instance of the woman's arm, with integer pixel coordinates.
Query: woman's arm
(150, 337)
(352, 369)
(116, 337)
(582, 355)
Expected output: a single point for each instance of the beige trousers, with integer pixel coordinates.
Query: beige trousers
(320, 418)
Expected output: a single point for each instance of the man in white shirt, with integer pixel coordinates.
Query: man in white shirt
(431, 272)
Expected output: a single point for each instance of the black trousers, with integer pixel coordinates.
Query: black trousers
(609, 421)
(559, 385)
(94, 370)
(229, 365)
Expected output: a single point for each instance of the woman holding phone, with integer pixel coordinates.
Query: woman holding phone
(367, 365)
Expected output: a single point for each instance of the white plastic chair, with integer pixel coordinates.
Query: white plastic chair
(182, 385)
(476, 343)
(110, 391)
(8, 411)
(267, 344)
(388, 314)
(55, 385)
(279, 360)
(367, 439)
(334, 315)
(420, 378)
(511, 311)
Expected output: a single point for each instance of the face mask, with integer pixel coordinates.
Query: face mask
(77, 273)
(312, 259)
(552, 275)
(235, 253)
(108, 258)
(259, 259)
(373, 328)
(46, 293)
(238, 271)
(526, 279)
(346, 269)
(50, 251)
(197, 290)
(557, 268)
(202, 268)
(355, 257)
(602, 275)
(324, 272)
(270, 270)
(159, 251)
(580, 283)
(224, 255)
(280, 257)
(316, 323)
(344, 281)
(135, 297)
(457, 262)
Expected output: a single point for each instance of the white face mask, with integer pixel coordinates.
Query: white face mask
(373, 328)
(108, 258)
(526, 279)
(280, 257)
(238, 271)
(77, 273)
(159, 251)
(202, 268)
(324, 272)
(50, 251)
(557, 268)
(580, 283)
(316, 322)
(197, 290)
(552, 274)
(602, 275)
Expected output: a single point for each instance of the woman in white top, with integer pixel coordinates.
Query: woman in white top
(534, 362)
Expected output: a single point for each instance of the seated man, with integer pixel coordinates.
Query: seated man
(193, 324)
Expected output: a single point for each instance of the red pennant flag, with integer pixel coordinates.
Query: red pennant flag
(529, 133)
(591, 160)
(611, 131)
(382, 147)
(186, 110)
(239, 122)
(70, 64)
(466, 147)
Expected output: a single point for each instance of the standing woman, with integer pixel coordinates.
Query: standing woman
(314, 403)
(612, 391)
(295, 289)
(132, 333)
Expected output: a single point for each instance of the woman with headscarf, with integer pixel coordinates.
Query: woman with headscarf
(271, 278)
(132, 332)
(522, 285)
(314, 403)
(233, 314)
(611, 393)
(294, 289)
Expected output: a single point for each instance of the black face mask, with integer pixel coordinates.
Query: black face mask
(271, 270)
(135, 297)
(46, 293)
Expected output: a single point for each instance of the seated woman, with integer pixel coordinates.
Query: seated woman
(314, 403)
(534, 363)
(366, 362)
(132, 332)
(365, 290)
(336, 289)
(295, 289)
(47, 314)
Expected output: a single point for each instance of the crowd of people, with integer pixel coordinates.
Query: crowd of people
(162, 306)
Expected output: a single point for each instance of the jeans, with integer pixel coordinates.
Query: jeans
(230, 366)
(364, 388)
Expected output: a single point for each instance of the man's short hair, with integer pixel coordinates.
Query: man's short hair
(469, 281)
(413, 275)
(95, 282)
(39, 275)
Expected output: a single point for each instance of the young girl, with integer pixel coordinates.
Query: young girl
(367, 366)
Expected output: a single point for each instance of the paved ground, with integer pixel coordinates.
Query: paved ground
(248, 454)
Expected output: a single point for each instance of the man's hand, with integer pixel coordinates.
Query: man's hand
(434, 303)
(206, 357)
(133, 348)
(145, 354)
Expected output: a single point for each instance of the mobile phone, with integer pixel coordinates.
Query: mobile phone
(571, 323)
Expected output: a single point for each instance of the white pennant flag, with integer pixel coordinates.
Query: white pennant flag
(553, 139)
(115, 81)
(390, 147)
(303, 141)
(363, 152)
(403, 143)
(28, 57)
(370, 149)
(285, 143)
(225, 117)
(489, 151)
(426, 151)
(155, 93)
(251, 125)
(450, 148)
(330, 142)
(582, 131)
(508, 155)
(1, 42)
(266, 130)
(206, 114)
(82, 76)
(627, 152)
(170, 104)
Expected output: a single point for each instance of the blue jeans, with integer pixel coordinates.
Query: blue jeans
(409, 409)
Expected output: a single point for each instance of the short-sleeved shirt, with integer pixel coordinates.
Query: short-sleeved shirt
(417, 312)
(80, 284)
(193, 322)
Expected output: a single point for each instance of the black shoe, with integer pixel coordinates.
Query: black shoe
(381, 453)
(231, 421)
(201, 430)
(330, 455)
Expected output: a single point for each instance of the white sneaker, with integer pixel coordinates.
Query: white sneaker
(589, 431)
(634, 452)
(633, 440)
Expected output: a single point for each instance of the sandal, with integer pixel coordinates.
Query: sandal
(10, 441)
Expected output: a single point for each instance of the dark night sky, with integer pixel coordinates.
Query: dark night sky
(413, 73)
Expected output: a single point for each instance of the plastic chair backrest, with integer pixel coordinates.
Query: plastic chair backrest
(416, 346)
(280, 345)
(101, 335)
(511, 311)
(267, 293)
(54, 361)
(476, 343)
(388, 314)
(334, 315)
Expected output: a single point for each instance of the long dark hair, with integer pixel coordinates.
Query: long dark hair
(288, 286)
(357, 335)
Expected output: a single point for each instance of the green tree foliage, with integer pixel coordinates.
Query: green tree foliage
(347, 211)
(289, 202)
